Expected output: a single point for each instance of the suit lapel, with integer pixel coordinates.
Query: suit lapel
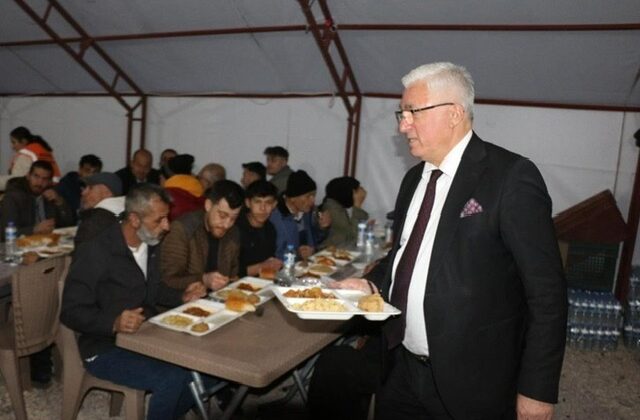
(465, 181)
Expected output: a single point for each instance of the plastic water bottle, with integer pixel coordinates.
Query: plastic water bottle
(362, 231)
(370, 243)
(288, 270)
(10, 249)
(388, 232)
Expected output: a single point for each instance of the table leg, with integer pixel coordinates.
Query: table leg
(235, 402)
(197, 389)
(297, 377)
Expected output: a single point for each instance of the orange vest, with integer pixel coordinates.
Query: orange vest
(36, 152)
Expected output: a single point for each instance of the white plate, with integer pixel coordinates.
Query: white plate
(349, 298)
(325, 253)
(51, 251)
(219, 317)
(264, 286)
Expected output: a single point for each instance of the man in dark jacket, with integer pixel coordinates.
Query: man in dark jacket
(138, 171)
(70, 186)
(112, 287)
(32, 205)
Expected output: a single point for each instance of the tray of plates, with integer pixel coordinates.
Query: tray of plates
(197, 318)
(329, 304)
(257, 290)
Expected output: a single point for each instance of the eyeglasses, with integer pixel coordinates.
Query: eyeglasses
(407, 114)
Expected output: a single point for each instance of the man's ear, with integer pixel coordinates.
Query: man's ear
(134, 220)
(208, 205)
(456, 114)
(247, 202)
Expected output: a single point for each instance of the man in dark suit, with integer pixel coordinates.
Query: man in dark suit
(474, 266)
(138, 171)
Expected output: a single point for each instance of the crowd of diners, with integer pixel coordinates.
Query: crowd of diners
(151, 239)
(474, 265)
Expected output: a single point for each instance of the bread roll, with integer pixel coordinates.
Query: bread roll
(371, 303)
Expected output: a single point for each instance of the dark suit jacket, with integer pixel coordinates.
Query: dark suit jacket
(495, 303)
(129, 180)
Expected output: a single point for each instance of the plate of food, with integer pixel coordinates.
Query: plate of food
(38, 240)
(245, 294)
(340, 256)
(196, 318)
(372, 307)
(332, 304)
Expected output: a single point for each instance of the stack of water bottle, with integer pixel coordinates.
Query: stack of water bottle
(594, 321)
(632, 319)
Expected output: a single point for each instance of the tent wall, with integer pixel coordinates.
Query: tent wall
(579, 153)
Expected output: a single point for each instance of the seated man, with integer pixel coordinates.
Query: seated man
(204, 245)
(32, 205)
(185, 190)
(252, 171)
(112, 287)
(70, 186)
(278, 166)
(165, 156)
(138, 171)
(292, 217)
(257, 234)
(101, 204)
(210, 174)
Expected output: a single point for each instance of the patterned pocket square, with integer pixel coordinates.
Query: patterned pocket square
(472, 207)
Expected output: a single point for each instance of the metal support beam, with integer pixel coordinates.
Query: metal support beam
(88, 43)
(326, 36)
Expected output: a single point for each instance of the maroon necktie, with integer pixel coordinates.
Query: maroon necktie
(394, 328)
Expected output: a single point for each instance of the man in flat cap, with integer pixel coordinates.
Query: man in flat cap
(278, 166)
(101, 203)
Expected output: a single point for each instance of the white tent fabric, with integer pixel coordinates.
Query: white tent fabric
(527, 58)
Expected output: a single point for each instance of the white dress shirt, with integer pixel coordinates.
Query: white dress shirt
(415, 336)
(141, 254)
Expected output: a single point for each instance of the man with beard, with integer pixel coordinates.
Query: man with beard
(32, 204)
(204, 245)
(257, 234)
(112, 287)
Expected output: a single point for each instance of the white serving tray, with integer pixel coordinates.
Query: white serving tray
(264, 286)
(348, 298)
(219, 317)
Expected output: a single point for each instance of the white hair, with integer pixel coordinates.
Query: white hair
(445, 76)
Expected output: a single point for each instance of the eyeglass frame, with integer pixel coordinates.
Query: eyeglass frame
(400, 113)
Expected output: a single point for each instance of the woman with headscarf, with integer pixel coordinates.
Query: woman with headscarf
(343, 201)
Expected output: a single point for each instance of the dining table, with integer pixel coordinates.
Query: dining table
(252, 351)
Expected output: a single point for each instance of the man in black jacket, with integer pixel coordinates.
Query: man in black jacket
(32, 204)
(474, 267)
(112, 287)
(138, 171)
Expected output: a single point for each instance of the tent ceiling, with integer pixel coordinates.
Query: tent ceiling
(531, 58)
